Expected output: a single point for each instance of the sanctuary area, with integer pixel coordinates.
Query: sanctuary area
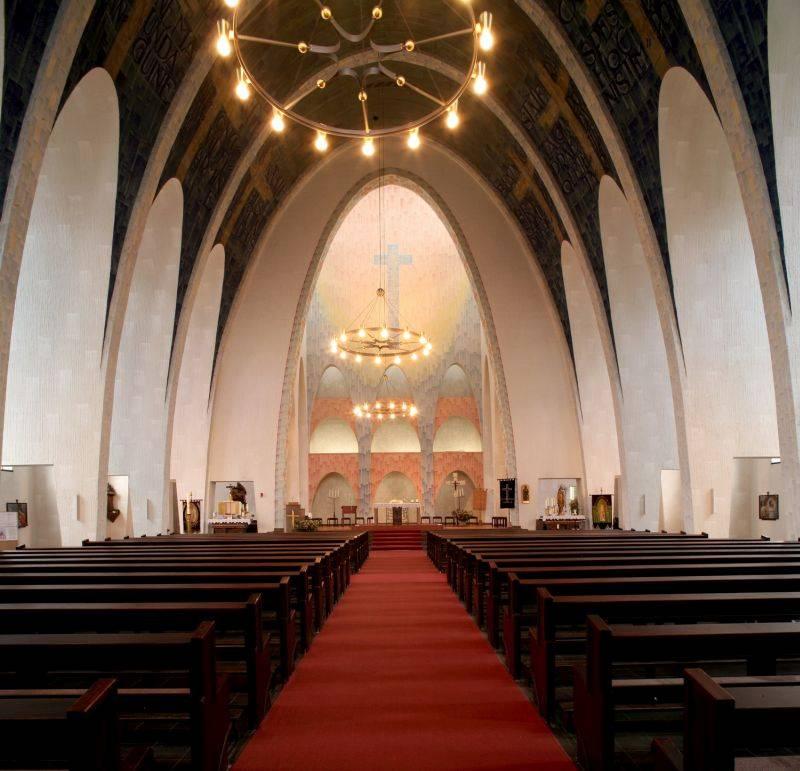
(392, 384)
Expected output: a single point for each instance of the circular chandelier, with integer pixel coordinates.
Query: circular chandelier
(362, 69)
(370, 336)
(386, 406)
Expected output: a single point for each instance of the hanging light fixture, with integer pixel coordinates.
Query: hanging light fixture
(386, 405)
(388, 45)
(378, 332)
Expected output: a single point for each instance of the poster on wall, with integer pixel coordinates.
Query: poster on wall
(768, 507)
(508, 493)
(602, 510)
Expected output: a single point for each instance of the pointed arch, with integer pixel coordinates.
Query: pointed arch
(730, 401)
(395, 436)
(648, 421)
(395, 485)
(188, 459)
(138, 424)
(322, 504)
(333, 436)
(457, 434)
(54, 396)
(601, 448)
(445, 501)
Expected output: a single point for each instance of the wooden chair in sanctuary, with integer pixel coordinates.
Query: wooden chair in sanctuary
(657, 649)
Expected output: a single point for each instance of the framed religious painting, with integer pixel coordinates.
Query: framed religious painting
(602, 510)
(22, 512)
(768, 508)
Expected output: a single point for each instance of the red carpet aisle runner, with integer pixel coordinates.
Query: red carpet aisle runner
(400, 678)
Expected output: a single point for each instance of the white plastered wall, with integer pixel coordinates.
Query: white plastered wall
(138, 425)
(598, 425)
(247, 397)
(54, 396)
(730, 397)
(648, 422)
(189, 447)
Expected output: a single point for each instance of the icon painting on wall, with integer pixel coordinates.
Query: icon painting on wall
(602, 510)
(768, 506)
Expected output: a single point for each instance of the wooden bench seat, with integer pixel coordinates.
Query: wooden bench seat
(722, 717)
(74, 730)
(520, 612)
(277, 613)
(238, 625)
(758, 646)
(27, 659)
(561, 622)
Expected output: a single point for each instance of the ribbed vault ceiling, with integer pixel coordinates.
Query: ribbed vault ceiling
(156, 49)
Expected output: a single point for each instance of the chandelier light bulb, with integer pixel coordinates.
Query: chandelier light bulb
(392, 416)
(326, 13)
(485, 37)
(391, 405)
(321, 142)
(412, 411)
(406, 335)
(404, 407)
(343, 338)
(384, 334)
(378, 361)
(480, 85)
(362, 333)
(377, 13)
(278, 123)
(452, 120)
(357, 412)
(224, 47)
(232, 3)
(358, 358)
(396, 359)
(368, 147)
(426, 352)
(378, 406)
(343, 355)
(423, 340)
(414, 357)
(242, 85)
(379, 416)
(413, 139)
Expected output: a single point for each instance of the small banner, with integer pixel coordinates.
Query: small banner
(508, 493)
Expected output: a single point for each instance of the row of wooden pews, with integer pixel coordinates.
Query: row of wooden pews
(634, 640)
(163, 650)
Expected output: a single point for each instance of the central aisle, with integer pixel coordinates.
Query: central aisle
(401, 678)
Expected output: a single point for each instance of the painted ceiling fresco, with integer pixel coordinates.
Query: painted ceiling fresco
(627, 46)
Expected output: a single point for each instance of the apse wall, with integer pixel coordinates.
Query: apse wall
(266, 316)
(192, 418)
(55, 390)
(598, 423)
(730, 396)
(648, 422)
(138, 425)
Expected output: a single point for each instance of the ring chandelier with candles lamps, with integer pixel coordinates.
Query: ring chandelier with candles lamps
(371, 335)
(357, 69)
(385, 405)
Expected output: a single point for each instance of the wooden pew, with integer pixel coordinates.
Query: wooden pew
(561, 622)
(757, 645)
(720, 719)
(523, 594)
(76, 730)
(278, 614)
(233, 620)
(29, 659)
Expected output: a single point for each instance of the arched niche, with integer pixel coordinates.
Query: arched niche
(455, 383)
(323, 504)
(397, 382)
(332, 384)
(648, 419)
(394, 436)
(457, 434)
(138, 425)
(55, 390)
(395, 486)
(598, 424)
(730, 400)
(333, 436)
(190, 425)
(445, 501)
(784, 64)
